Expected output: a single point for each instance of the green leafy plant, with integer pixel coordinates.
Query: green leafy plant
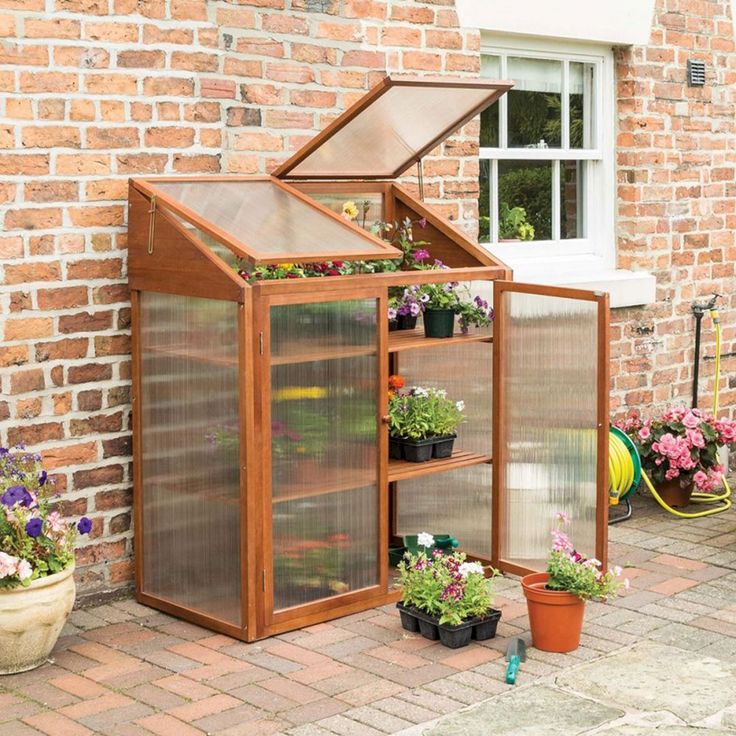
(446, 586)
(513, 223)
(574, 573)
(418, 413)
(35, 541)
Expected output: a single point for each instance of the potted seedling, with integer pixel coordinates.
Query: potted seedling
(422, 421)
(556, 598)
(446, 597)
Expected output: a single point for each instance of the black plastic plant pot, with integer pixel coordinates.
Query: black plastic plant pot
(428, 629)
(439, 323)
(395, 448)
(409, 621)
(393, 325)
(406, 321)
(458, 636)
(417, 451)
(443, 446)
(485, 628)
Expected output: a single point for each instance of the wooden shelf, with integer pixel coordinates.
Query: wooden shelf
(414, 339)
(308, 353)
(402, 470)
(332, 482)
(201, 356)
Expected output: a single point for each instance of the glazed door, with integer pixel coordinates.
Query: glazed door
(550, 440)
(324, 370)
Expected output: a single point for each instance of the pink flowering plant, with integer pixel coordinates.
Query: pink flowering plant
(34, 539)
(574, 573)
(681, 444)
(447, 587)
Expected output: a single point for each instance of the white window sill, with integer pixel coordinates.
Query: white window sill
(625, 288)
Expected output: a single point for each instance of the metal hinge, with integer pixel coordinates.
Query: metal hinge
(260, 343)
(151, 224)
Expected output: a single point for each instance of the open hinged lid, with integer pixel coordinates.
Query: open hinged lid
(392, 127)
(264, 220)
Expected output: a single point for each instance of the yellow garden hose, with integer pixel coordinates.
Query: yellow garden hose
(624, 464)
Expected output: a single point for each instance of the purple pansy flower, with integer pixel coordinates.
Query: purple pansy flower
(42, 478)
(84, 525)
(33, 527)
(421, 254)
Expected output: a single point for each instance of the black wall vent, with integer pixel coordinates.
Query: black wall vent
(695, 73)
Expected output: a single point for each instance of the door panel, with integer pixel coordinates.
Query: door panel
(322, 416)
(551, 421)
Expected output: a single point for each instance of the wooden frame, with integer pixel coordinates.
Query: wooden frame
(500, 511)
(375, 247)
(495, 90)
(165, 256)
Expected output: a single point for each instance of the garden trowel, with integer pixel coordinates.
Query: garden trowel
(515, 655)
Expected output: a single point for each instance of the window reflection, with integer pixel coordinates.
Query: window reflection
(527, 186)
(535, 103)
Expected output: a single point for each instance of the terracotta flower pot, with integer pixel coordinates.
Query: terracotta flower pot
(673, 493)
(31, 620)
(555, 617)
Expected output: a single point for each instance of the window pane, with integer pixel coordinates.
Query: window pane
(484, 202)
(581, 105)
(535, 103)
(571, 199)
(526, 185)
(491, 69)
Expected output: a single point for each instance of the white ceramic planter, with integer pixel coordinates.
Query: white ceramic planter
(31, 620)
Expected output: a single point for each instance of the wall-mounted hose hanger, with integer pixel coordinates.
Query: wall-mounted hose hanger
(695, 73)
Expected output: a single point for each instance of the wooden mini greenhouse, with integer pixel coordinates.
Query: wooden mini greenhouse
(265, 499)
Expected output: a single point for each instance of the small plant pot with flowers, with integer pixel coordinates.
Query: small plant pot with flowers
(36, 563)
(679, 451)
(441, 303)
(422, 421)
(445, 597)
(556, 598)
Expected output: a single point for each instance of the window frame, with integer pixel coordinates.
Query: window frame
(550, 260)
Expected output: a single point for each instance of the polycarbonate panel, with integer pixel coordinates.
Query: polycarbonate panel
(270, 221)
(465, 371)
(190, 453)
(324, 473)
(386, 137)
(457, 503)
(550, 429)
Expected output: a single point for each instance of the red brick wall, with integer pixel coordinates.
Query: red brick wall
(100, 90)
(676, 159)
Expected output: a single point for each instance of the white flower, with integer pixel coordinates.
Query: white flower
(592, 562)
(459, 405)
(470, 568)
(616, 570)
(24, 570)
(425, 540)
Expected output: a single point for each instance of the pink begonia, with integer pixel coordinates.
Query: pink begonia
(24, 570)
(8, 565)
(726, 430)
(695, 438)
(644, 433)
(700, 478)
(671, 474)
(690, 420)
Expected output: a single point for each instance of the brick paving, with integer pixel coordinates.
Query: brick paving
(122, 669)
